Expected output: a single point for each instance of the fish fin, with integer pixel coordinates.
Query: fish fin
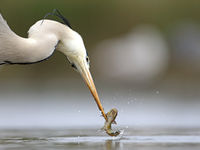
(114, 122)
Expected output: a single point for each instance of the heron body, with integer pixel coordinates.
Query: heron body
(44, 37)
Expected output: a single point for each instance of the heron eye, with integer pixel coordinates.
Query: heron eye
(87, 59)
(74, 66)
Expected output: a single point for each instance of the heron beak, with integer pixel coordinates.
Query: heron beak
(87, 77)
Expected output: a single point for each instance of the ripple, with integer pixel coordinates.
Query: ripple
(128, 139)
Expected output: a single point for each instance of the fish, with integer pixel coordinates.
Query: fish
(111, 115)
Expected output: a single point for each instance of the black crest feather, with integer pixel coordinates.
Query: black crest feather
(57, 13)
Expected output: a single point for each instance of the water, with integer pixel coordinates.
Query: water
(90, 139)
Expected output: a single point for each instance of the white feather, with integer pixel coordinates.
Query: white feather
(38, 46)
(43, 36)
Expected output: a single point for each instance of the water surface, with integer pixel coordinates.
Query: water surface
(90, 139)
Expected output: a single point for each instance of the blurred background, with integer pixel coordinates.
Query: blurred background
(144, 60)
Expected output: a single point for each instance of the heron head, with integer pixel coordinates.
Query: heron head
(74, 49)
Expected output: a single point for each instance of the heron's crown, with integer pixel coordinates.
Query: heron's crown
(57, 13)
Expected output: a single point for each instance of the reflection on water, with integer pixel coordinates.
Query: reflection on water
(75, 139)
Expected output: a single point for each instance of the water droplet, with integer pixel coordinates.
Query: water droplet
(79, 111)
(157, 92)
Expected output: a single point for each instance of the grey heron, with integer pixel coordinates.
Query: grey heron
(44, 37)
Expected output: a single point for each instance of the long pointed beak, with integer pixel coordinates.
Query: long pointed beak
(85, 73)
